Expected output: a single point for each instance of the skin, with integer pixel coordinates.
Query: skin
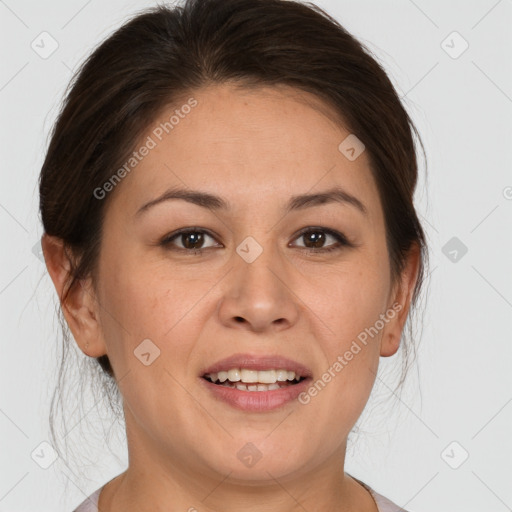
(254, 148)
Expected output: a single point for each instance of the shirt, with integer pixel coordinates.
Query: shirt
(90, 504)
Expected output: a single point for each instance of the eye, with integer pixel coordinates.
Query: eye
(192, 239)
(317, 236)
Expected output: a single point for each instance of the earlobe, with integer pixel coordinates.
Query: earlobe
(80, 306)
(400, 302)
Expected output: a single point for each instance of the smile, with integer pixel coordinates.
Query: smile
(254, 380)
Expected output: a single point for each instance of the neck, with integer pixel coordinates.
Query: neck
(158, 488)
(157, 480)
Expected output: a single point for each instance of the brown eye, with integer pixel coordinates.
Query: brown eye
(187, 240)
(315, 239)
(193, 240)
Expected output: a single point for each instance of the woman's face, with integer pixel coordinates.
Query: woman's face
(258, 286)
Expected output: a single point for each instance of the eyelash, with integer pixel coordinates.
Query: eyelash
(340, 237)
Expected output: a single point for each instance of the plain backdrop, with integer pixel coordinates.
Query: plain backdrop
(445, 443)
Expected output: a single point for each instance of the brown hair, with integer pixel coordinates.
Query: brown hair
(163, 54)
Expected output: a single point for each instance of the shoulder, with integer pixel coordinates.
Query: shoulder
(90, 504)
(383, 504)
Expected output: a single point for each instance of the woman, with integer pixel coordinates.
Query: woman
(227, 201)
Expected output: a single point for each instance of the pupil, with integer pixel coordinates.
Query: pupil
(197, 238)
(316, 238)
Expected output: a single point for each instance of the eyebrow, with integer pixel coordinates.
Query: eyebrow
(210, 201)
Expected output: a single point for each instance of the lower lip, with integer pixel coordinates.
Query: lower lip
(258, 401)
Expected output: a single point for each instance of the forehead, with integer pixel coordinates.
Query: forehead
(246, 145)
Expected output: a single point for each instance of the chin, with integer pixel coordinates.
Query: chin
(249, 465)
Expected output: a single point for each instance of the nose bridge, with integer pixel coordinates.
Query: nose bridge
(257, 294)
(257, 264)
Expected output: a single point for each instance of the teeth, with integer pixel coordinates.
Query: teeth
(234, 375)
(249, 375)
(262, 387)
(252, 387)
(257, 377)
(267, 376)
(282, 375)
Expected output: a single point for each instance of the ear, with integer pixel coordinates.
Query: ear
(81, 307)
(400, 302)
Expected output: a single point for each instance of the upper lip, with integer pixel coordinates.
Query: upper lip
(258, 362)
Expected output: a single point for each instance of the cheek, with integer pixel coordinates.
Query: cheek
(350, 305)
(143, 314)
(155, 302)
(350, 348)
(139, 303)
(350, 301)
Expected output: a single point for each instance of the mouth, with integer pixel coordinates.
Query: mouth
(245, 379)
(256, 383)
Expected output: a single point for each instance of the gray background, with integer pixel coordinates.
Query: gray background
(460, 390)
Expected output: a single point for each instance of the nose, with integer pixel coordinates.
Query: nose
(258, 296)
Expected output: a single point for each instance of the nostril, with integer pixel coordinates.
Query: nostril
(239, 319)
